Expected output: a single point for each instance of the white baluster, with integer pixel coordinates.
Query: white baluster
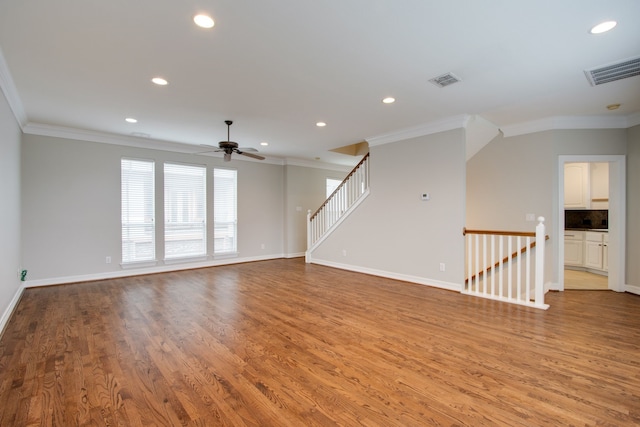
(540, 239)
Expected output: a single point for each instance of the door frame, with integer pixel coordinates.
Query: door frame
(617, 216)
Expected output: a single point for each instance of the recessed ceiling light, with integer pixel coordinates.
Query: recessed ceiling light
(264, 143)
(321, 124)
(389, 100)
(159, 81)
(603, 27)
(131, 120)
(203, 21)
(613, 106)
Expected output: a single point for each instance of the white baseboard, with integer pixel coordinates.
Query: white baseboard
(632, 289)
(390, 275)
(10, 308)
(295, 255)
(146, 270)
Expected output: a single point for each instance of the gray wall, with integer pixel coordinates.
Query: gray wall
(71, 205)
(393, 232)
(305, 190)
(514, 176)
(10, 262)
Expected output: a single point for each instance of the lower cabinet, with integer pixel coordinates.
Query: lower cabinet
(573, 248)
(586, 249)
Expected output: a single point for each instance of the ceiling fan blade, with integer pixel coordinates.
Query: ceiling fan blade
(255, 156)
(253, 150)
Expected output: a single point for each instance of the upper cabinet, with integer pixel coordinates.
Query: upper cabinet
(599, 178)
(586, 185)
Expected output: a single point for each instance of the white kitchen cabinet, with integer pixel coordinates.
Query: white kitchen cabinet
(576, 186)
(594, 250)
(573, 248)
(605, 252)
(599, 185)
(586, 185)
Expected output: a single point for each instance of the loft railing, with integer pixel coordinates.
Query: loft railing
(353, 189)
(499, 265)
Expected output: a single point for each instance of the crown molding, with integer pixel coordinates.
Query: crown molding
(633, 120)
(315, 164)
(570, 122)
(8, 87)
(448, 123)
(128, 141)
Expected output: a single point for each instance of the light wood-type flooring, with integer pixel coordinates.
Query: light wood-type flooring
(282, 343)
(576, 279)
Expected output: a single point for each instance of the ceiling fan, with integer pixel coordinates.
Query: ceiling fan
(229, 147)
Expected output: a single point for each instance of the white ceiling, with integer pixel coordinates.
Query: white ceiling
(277, 67)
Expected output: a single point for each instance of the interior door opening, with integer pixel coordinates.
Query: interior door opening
(615, 246)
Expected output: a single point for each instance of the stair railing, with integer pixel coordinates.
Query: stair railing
(353, 189)
(498, 272)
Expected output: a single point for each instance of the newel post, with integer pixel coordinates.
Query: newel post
(539, 281)
(307, 255)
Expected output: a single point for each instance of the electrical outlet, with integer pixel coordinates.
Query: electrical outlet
(530, 217)
(262, 246)
(344, 252)
(108, 260)
(442, 266)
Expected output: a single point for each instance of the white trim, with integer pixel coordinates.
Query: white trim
(448, 123)
(456, 287)
(129, 141)
(295, 255)
(319, 165)
(570, 122)
(142, 271)
(138, 264)
(617, 227)
(632, 289)
(10, 308)
(340, 220)
(633, 120)
(8, 87)
(505, 299)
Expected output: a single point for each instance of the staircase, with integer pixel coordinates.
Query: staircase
(349, 194)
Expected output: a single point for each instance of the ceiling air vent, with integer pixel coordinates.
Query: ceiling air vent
(611, 73)
(445, 80)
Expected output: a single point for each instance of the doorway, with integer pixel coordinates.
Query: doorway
(617, 217)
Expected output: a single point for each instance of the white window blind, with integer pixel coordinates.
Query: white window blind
(225, 192)
(185, 227)
(137, 210)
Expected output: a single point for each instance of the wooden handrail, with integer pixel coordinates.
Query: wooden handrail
(507, 258)
(366, 156)
(499, 233)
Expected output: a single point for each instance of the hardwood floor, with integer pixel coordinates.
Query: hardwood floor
(282, 343)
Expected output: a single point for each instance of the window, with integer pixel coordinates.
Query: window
(225, 191)
(332, 184)
(185, 226)
(137, 210)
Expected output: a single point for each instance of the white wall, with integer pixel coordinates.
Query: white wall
(514, 176)
(71, 207)
(394, 233)
(10, 263)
